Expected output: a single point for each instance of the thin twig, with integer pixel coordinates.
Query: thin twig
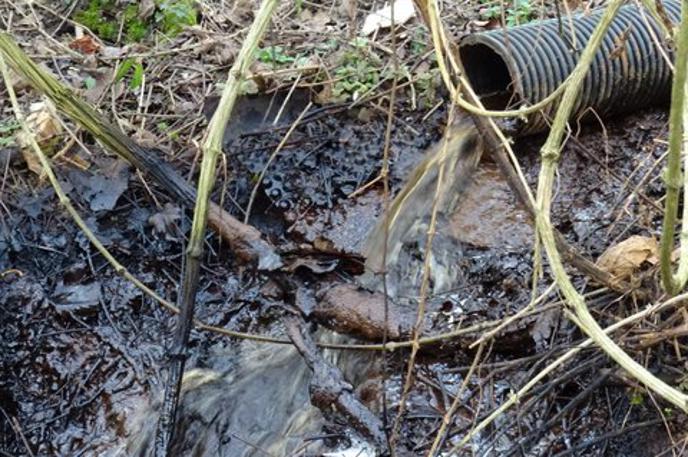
(425, 283)
(516, 397)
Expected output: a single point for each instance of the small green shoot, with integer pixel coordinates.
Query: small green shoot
(106, 17)
(520, 12)
(173, 15)
(89, 82)
(637, 398)
(274, 55)
(7, 129)
(358, 71)
(164, 127)
(419, 42)
(137, 74)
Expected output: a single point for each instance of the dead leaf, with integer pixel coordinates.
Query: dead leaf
(365, 114)
(146, 9)
(625, 258)
(319, 21)
(102, 189)
(79, 298)
(544, 326)
(45, 127)
(86, 45)
(165, 222)
(382, 18)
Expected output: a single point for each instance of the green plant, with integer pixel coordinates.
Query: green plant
(274, 55)
(520, 13)
(164, 127)
(136, 69)
(134, 28)
(427, 84)
(419, 42)
(105, 17)
(637, 398)
(7, 129)
(89, 82)
(173, 15)
(357, 72)
(98, 16)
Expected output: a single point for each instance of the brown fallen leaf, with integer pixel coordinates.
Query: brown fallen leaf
(85, 44)
(46, 128)
(625, 258)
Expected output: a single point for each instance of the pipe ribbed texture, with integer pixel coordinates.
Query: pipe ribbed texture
(508, 67)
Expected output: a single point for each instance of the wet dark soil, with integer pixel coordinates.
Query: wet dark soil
(82, 348)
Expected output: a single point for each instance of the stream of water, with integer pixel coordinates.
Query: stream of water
(260, 405)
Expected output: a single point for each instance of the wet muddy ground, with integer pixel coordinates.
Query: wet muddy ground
(82, 349)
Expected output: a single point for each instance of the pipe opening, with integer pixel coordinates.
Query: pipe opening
(489, 75)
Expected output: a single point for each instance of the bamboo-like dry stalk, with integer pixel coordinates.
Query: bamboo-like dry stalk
(212, 147)
(244, 240)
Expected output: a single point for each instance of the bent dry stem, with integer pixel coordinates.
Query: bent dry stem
(550, 155)
(211, 150)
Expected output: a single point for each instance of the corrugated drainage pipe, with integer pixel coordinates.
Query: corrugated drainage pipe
(523, 64)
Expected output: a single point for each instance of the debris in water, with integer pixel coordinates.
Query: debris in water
(489, 215)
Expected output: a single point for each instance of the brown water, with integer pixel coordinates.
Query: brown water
(260, 406)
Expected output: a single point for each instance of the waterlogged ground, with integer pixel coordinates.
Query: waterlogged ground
(82, 348)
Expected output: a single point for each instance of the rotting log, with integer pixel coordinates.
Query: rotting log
(245, 240)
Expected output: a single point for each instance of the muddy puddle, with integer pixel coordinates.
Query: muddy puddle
(82, 349)
(489, 215)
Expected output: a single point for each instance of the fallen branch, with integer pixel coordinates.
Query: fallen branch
(328, 388)
(243, 239)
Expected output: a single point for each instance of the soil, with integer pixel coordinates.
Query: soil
(82, 349)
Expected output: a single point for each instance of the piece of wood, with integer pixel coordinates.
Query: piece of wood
(328, 388)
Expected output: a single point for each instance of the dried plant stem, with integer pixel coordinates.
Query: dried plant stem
(519, 395)
(674, 283)
(513, 318)
(245, 240)
(425, 283)
(212, 147)
(550, 152)
(449, 415)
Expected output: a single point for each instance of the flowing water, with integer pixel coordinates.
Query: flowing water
(260, 405)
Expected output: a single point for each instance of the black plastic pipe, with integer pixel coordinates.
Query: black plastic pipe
(510, 67)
